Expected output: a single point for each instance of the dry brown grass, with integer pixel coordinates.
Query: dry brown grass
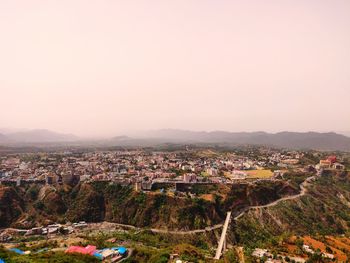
(262, 174)
(316, 244)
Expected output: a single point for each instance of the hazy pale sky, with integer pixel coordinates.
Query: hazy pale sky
(108, 67)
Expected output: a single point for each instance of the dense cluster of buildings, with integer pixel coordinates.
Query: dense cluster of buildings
(330, 163)
(143, 169)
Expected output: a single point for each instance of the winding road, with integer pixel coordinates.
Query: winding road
(303, 191)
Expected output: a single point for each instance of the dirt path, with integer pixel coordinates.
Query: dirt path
(240, 252)
(108, 226)
(303, 191)
(189, 232)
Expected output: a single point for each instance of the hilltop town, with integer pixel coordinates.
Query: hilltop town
(64, 196)
(147, 170)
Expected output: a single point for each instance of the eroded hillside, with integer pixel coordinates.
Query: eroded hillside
(97, 202)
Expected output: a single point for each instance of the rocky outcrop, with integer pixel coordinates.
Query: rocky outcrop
(11, 206)
(102, 201)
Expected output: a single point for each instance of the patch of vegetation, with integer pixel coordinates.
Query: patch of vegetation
(319, 212)
(47, 257)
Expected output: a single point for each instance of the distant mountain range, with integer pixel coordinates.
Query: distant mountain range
(346, 133)
(293, 140)
(36, 136)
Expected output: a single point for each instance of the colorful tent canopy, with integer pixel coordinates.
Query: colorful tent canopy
(88, 250)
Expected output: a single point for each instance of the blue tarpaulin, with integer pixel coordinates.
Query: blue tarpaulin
(2, 261)
(17, 250)
(121, 250)
(98, 255)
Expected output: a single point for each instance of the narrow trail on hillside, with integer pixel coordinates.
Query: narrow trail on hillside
(303, 191)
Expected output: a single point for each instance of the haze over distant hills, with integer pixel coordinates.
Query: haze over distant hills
(346, 133)
(35, 136)
(297, 140)
(293, 140)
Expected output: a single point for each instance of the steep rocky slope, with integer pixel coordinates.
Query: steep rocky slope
(11, 205)
(110, 202)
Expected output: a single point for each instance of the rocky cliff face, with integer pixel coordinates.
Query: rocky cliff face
(259, 193)
(109, 202)
(11, 206)
(115, 203)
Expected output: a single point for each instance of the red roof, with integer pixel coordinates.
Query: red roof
(332, 158)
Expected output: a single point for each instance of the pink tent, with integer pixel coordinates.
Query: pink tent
(88, 250)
